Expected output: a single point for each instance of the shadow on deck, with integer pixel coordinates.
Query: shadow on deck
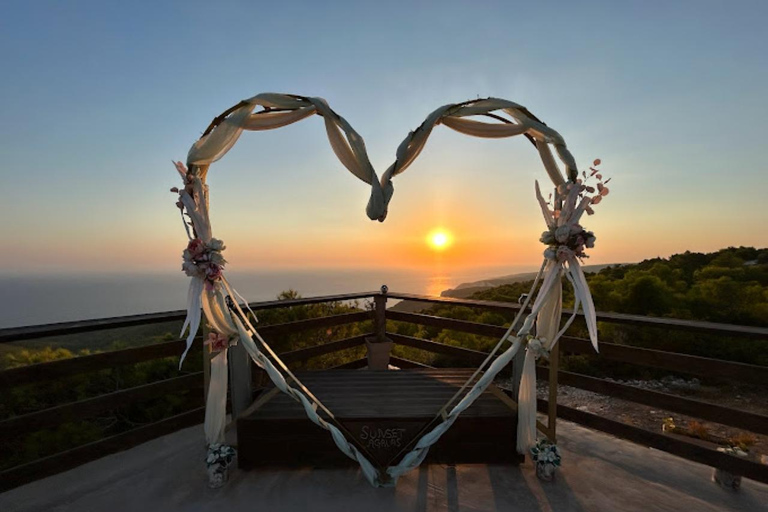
(599, 473)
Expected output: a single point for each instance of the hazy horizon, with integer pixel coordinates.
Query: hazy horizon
(49, 298)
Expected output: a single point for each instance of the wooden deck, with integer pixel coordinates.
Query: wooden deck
(383, 411)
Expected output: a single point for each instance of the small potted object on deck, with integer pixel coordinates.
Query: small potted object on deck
(546, 456)
(379, 351)
(726, 478)
(220, 457)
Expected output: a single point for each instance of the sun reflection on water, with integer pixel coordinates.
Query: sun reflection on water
(438, 283)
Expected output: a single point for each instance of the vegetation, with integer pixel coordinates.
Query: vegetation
(295, 341)
(25, 399)
(728, 286)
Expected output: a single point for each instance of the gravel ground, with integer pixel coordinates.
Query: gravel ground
(650, 418)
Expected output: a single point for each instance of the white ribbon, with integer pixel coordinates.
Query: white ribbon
(349, 147)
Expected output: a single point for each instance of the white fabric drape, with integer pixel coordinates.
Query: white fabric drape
(282, 110)
(349, 147)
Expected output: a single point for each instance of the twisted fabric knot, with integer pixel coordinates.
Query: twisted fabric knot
(378, 204)
(537, 347)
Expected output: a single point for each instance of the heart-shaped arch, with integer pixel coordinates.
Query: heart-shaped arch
(210, 291)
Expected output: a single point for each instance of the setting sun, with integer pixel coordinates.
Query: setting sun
(439, 239)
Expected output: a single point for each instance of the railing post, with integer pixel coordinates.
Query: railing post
(240, 379)
(206, 362)
(379, 346)
(554, 357)
(380, 316)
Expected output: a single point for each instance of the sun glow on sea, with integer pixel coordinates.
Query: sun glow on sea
(439, 239)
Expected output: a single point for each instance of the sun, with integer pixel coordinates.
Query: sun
(439, 239)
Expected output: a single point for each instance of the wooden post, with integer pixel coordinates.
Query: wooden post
(206, 362)
(380, 317)
(239, 379)
(554, 357)
(379, 347)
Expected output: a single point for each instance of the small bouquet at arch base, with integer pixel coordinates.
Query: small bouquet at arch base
(220, 454)
(545, 452)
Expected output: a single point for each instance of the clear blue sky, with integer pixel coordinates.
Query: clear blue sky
(98, 97)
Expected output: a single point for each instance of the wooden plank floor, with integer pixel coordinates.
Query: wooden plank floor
(383, 410)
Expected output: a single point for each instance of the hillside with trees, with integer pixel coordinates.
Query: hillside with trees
(727, 286)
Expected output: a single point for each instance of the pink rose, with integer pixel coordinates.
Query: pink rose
(181, 168)
(217, 341)
(213, 272)
(196, 248)
(564, 253)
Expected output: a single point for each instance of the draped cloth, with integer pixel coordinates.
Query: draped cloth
(349, 146)
(230, 320)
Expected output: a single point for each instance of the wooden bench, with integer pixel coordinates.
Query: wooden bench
(384, 411)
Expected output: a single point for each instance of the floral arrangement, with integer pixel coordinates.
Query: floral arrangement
(217, 341)
(204, 260)
(566, 238)
(545, 452)
(201, 259)
(220, 454)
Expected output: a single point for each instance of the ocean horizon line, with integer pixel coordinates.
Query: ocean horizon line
(50, 298)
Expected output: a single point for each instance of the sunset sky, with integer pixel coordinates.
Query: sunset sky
(97, 99)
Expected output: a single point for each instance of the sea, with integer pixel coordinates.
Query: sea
(43, 299)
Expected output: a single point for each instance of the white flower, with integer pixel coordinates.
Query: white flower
(217, 258)
(562, 234)
(216, 245)
(191, 269)
(547, 237)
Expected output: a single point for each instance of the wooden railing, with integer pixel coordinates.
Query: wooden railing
(183, 382)
(675, 362)
(90, 407)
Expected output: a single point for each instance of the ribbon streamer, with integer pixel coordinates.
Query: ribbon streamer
(231, 321)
